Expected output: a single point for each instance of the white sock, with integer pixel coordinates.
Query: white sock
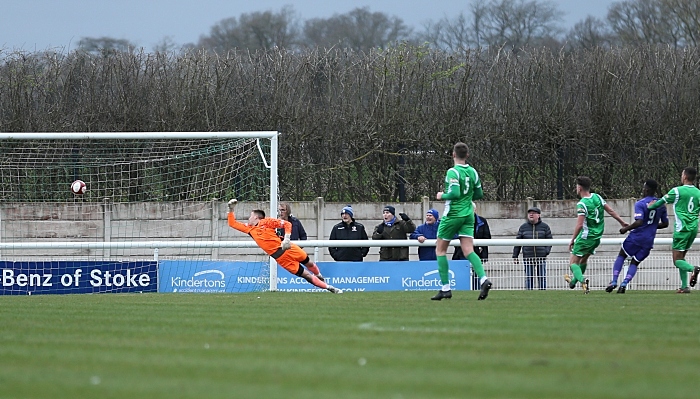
(446, 287)
(481, 280)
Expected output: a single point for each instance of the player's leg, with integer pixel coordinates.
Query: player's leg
(585, 283)
(682, 241)
(443, 270)
(297, 253)
(292, 260)
(638, 254)
(574, 260)
(446, 230)
(617, 268)
(680, 249)
(313, 268)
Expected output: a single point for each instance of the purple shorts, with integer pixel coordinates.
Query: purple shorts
(636, 251)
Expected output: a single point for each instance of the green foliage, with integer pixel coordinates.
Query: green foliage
(517, 344)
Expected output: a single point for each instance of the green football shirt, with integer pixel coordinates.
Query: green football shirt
(686, 205)
(460, 183)
(592, 208)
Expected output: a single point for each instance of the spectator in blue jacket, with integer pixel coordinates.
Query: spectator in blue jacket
(427, 231)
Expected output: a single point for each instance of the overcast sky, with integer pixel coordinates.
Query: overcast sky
(42, 24)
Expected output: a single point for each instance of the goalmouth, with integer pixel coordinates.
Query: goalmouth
(153, 198)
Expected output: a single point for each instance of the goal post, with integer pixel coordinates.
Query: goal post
(151, 197)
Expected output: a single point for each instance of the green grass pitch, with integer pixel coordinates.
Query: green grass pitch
(516, 344)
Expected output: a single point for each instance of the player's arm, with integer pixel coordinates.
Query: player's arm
(478, 193)
(615, 216)
(272, 223)
(242, 227)
(669, 198)
(287, 234)
(452, 191)
(663, 219)
(634, 225)
(579, 226)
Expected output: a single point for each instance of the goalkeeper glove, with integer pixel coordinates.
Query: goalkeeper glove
(232, 204)
(404, 216)
(285, 243)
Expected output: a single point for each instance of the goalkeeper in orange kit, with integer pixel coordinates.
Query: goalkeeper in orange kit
(288, 255)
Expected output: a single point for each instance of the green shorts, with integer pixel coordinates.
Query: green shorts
(683, 240)
(451, 226)
(584, 246)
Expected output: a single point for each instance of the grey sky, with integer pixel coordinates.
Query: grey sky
(41, 24)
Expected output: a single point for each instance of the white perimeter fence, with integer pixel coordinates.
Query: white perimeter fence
(657, 272)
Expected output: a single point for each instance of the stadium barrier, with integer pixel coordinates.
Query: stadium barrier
(657, 272)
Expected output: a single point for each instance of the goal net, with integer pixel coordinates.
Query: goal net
(153, 217)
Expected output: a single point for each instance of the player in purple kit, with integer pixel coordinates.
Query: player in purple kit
(640, 241)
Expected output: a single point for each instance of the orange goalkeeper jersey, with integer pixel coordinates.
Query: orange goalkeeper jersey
(265, 233)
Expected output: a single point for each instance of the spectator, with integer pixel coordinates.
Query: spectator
(427, 231)
(393, 229)
(285, 213)
(534, 258)
(348, 229)
(481, 231)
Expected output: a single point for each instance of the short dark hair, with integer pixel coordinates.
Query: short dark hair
(690, 173)
(585, 182)
(461, 150)
(260, 213)
(652, 185)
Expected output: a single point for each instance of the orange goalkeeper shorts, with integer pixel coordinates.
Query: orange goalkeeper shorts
(291, 258)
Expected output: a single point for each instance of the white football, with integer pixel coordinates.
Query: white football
(78, 187)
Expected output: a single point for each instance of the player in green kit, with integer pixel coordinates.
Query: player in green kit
(686, 206)
(590, 225)
(462, 186)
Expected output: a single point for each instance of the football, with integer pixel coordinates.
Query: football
(78, 187)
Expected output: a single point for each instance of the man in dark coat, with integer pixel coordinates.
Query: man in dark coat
(534, 258)
(393, 229)
(348, 229)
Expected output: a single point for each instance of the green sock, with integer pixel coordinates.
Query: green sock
(583, 268)
(684, 266)
(684, 278)
(443, 269)
(478, 267)
(578, 274)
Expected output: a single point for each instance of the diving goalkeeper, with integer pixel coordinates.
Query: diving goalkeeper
(288, 255)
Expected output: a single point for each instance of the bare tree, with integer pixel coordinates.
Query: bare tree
(254, 31)
(590, 33)
(166, 45)
(685, 15)
(104, 44)
(671, 22)
(513, 23)
(460, 32)
(518, 23)
(358, 29)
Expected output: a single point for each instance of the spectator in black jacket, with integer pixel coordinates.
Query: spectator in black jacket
(481, 231)
(534, 258)
(348, 229)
